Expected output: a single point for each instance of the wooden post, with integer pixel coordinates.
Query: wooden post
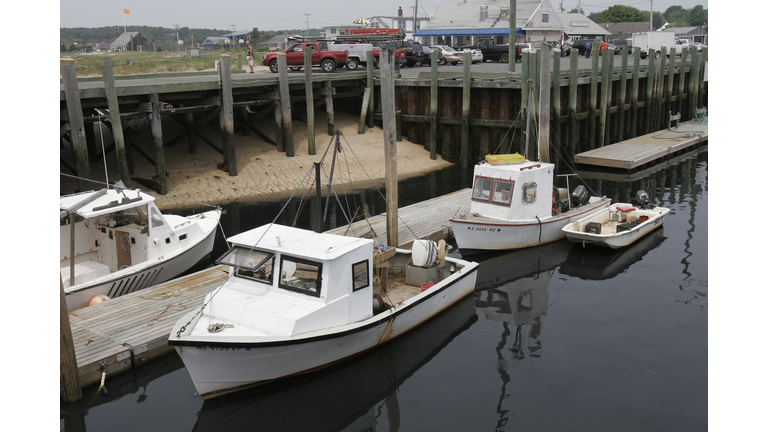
(635, 92)
(433, 108)
(69, 381)
(649, 90)
(605, 98)
(670, 81)
(681, 79)
(75, 119)
(189, 121)
(693, 83)
(279, 132)
(363, 111)
(466, 81)
(524, 80)
(369, 83)
(310, 102)
(702, 68)
(659, 91)
(573, 84)
(556, 59)
(114, 117)
(622, 94)
(329, 108)
(512, 34)
(545, 78)
(285, 104)
(390, 144)
(593, 98)
(155, 125)
(226, 117)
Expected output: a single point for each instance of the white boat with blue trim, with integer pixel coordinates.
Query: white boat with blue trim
(297, 301)
(121, 243)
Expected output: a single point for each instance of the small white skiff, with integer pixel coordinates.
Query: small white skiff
(121, 243)
(297, 301)
(617, 226)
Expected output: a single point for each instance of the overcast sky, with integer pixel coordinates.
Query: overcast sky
(279, 15)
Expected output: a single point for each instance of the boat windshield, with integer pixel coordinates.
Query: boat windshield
(250, 264)
(300, 275)
(494, 191)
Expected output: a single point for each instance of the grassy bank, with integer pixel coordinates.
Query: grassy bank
(132, 62)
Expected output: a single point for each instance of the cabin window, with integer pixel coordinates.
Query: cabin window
(360, 275)
(545, 17)
(300, 275)
(250, 264)
(493, 191)
(529, 193)
(157, 219)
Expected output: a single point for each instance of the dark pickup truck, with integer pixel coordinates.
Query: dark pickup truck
(492, 51)
(413, 52)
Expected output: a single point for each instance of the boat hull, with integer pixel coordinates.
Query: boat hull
(575, 231)
(476, 234)
(222, 365)
(147, 273)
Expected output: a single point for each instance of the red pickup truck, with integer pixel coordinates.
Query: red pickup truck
(294, 56)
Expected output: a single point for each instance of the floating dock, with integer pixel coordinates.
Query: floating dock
(654, 147)
(125, 332)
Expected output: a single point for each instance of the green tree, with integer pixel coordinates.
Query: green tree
(670, 10)
(698, 16)
(619, 13)
(576, 10)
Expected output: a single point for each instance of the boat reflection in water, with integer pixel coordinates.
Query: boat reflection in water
(603, 263)
(344, 396)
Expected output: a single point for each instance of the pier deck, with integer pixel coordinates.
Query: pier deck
(130, 330)
(642, 150)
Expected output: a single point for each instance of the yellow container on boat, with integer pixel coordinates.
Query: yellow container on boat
(504, 159)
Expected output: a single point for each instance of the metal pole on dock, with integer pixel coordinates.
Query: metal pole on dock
(114, 117)
(310, 102)
(75, 120)
(390, 141)
(285, 104)
(226, 117)
(69, 390)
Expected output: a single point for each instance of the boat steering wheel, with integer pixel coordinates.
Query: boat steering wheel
(125, 242)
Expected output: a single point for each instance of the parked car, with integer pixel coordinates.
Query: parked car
(477, 55)
(428, 55)
(616, 50)
(450, 55)
(580, 45)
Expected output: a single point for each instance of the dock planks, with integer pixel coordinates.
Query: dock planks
(636, 152)
(127, 331)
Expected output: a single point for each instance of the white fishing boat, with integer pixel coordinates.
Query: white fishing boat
(121, 243)
(515, 205)
(297, 301)
(617, 226)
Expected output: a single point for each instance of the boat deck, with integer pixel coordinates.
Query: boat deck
(130, 330)
(639, 151)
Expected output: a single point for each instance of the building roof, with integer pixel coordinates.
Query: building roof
(216, 40)
(625, 27)
(124, 39)
(579, 24)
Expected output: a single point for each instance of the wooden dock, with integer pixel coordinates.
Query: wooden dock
(636, 152)
(128, 331)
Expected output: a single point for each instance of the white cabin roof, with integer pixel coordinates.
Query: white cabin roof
(87, 204)
(298, 242)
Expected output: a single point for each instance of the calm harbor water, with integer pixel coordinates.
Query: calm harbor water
(557, 337)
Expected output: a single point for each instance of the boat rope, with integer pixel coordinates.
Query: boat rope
(142, 191)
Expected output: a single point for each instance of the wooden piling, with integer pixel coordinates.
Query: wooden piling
(545, 78)
(69, 381)
(156, 126)
(605, 99)
(329, 108)
(363, 111)
(189, 122)
(622, 94)
(116, 124)
(573, 135)
(635, 93)
(670, 81)
(593, 98)
(279, 132)
(466, 81)
(433, 108)
(557, 138)
(693, 83)
(226, 117)
(390, 144)
(370, 83)
(649, 91)
(659, 91)
(681, 82)
(285, 104)
(75, 120)
(310, 102)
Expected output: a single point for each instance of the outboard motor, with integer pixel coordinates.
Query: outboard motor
(643, 201)
(579, 196)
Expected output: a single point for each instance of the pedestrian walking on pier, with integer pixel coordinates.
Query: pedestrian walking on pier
(249, 55)
(588, 47)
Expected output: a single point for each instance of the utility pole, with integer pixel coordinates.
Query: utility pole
(307, 15)
(233, 34)
(415, 14)
(176, 26)
(651, 23)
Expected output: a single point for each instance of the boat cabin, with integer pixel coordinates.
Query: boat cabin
(113, 230)
(517, 190)
(287, 281)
